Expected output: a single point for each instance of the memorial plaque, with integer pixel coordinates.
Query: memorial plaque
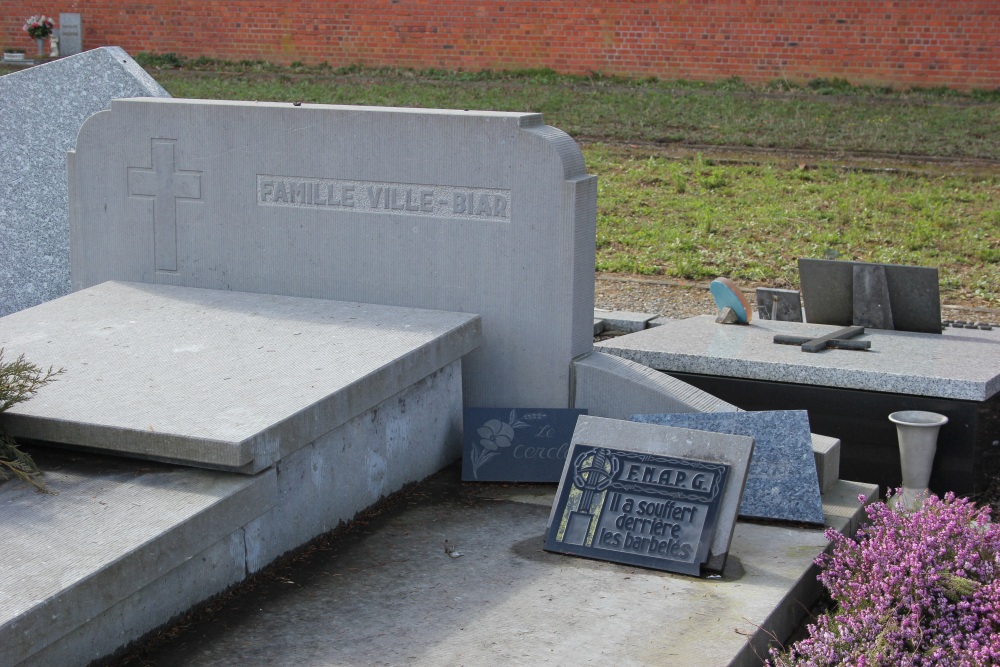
(517, 445)
(872, 303)
(638, 508)
(783, 305)
(70, 34)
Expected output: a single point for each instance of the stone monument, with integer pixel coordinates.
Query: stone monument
(41, 111)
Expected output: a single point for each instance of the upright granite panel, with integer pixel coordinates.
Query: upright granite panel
(475, 212)
(41, 111)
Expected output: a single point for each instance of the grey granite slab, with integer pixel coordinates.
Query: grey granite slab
(621, 320)
(219, 379)
(918, 364)
(609, 386)
(782, 482)
(41, 111)
(112, 528)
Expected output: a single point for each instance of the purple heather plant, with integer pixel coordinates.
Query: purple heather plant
(918, 588)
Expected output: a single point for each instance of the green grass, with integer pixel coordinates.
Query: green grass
(696, 220)
(826, 117)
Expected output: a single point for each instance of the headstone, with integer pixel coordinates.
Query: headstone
(41, 111)
(218, 379)
(784, 305)
(516, 445)
(70, 34)
(475, 212)
(782, 482)
(653, 496)
(912, 294)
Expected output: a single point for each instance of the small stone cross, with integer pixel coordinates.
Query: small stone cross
(165, 184)
(839, 339)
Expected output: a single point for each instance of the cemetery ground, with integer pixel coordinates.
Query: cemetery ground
(746, 212)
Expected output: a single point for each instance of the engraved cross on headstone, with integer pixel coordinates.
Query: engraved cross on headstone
(165, 184)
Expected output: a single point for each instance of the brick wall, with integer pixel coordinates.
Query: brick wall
(896, 42)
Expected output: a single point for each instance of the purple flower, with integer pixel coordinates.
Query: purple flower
(912, 588)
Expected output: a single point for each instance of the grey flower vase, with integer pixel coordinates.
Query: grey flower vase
(40, 43)
(917, 432)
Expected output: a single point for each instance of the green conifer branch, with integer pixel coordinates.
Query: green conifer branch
(19, 381)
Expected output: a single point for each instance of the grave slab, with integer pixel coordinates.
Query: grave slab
(940, 365)
(219, 379)
(782, 482)
(128, 545)
(506, 600)
(477, 212)
(115, 527)
(41, 111)
(954, 374)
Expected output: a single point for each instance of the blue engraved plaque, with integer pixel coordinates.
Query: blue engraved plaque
(637, 508)
(516, 444)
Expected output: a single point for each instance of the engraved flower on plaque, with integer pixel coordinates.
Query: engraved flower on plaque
(494, 435)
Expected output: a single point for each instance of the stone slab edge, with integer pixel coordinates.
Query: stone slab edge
(239, 500)
(844, 513)
(826, 451)
(609, 386)
(282, 438)
(812, 369)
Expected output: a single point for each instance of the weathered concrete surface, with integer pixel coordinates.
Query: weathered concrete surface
(127, 545)
(115, 527)
(218, 379)
(395, 592)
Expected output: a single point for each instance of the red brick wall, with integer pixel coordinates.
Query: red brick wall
(896, 42)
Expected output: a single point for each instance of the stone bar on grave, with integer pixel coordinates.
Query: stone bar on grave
(848, 394)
